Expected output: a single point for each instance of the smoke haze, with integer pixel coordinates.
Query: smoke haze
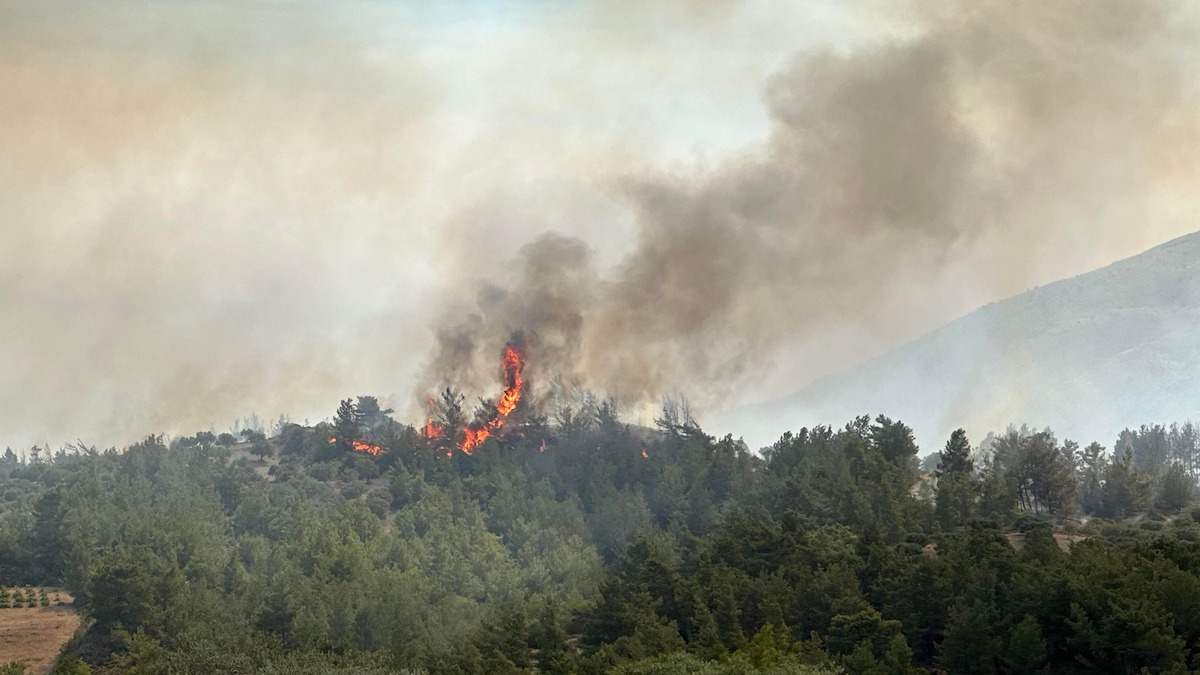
(994, 147)
(219, 208)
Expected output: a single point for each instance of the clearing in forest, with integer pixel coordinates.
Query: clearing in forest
(36, 635)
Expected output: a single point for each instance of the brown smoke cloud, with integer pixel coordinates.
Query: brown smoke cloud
(988, 145)
(211, 209)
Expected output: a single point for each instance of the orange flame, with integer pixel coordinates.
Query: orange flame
(433, 430)
(473, 438)
(512, 362)
(645, 455)
(511, 365)
(361, 446)
(373, 450)
(542, 448)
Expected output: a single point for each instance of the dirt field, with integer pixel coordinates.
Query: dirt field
(242, 451)
(35, 635)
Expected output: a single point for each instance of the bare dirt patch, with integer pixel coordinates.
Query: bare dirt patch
(35, 635)
(1065, 540)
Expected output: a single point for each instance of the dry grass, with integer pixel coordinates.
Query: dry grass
(242, 451)
(1065, 540)
(35, 635)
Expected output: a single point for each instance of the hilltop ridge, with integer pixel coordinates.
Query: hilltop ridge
(1088, 355)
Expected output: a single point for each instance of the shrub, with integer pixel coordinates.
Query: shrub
(353, 490)
(70, 665)
(322, 472)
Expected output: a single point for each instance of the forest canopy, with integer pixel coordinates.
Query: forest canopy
(576, 543)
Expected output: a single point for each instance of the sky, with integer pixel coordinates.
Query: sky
(213, 209)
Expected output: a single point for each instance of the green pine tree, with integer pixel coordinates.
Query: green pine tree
(1026, 651)
(970, 646)
(707, 644)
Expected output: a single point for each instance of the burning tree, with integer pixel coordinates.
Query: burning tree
(347, 436)
(492, 417)
(448, 415)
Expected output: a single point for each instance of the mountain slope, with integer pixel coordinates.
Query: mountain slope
(1087, 356)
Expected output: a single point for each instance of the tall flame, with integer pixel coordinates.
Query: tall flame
(512, 362)
(511, 365)
(433, 429)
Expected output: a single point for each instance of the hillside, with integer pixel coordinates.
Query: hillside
(1089, 355)
(587, 546)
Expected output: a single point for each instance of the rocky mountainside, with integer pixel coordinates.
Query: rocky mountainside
(1086, 356)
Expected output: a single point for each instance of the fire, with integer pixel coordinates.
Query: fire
(473, 438)
(433, 430)
(645, 455)
(511, 365)
(512, 362)
(361, 446)
(542, 448)
(373, 450)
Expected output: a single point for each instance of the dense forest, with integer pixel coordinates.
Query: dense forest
(575, 543)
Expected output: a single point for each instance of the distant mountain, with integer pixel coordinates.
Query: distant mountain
(1086, 356)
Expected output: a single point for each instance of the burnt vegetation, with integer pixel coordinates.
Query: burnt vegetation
(572, 542)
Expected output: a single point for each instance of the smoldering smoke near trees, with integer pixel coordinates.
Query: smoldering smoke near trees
(962, 142)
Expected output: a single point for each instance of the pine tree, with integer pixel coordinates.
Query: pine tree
(727, 614)
(47, 536)
(955, 458)
(1185, 448)
(1125, 490)
(766, 647)
(957, 485)
(513, 638)
(345, 427)
(969, 646)
(554, 655)
(368, 413)
(1174, 489)
(1026, 651)
(1093, 463)
(707, 643)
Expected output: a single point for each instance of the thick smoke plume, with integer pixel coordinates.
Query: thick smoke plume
(989, 144)
(201, 218)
